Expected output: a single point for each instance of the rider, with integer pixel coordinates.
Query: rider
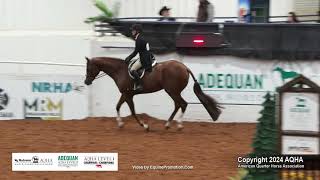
(145, 61)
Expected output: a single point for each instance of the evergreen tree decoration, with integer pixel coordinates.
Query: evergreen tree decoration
(105, 17)
(265, 140)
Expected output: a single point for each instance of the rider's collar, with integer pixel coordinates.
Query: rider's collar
(137, 36)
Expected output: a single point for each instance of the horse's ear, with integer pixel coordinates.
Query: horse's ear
(88, 60)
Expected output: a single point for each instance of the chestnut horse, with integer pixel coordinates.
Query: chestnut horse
(172, 76)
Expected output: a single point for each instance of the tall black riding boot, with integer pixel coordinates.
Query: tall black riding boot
(137, 81)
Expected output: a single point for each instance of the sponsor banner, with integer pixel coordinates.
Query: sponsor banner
(64, 161)
(43, 108)
(237, 97)
(242, 81)
(43, 97)
(300, 145)
(6, 102)
(300, 112)
(53, 87)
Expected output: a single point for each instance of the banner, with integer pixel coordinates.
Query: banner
(241, 81)
(300, 112)
(300, 145)
(7, 104)
(64, 161)
(43, 97)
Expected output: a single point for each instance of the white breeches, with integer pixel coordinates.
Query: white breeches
(137, 65)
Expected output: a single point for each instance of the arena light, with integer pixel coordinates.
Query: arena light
(198, 41)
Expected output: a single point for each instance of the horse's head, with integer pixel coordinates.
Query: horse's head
(92, 71)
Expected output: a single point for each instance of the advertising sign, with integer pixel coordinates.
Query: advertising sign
(300, 145)
(6, 101)
(43, 97)
(64, 161)
(230, 84)
(300, 111)
(235, 81)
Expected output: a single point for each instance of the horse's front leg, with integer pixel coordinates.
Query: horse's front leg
(129, 100)
(120, 102)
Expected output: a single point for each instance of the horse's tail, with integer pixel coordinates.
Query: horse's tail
(208, 102)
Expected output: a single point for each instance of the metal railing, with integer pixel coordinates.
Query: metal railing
(105, 29)
(271, 19)
(41, 63)
(315, 18)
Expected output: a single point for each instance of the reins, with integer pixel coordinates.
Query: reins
(100, 75)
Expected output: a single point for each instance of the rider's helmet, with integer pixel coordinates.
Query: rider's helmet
(136, 27)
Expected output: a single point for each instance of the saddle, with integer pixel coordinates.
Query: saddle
(140, 71)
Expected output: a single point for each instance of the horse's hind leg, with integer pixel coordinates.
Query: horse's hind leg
(179, 102)
(176, 108)
(120, 102)
(183, 105)
(130, 103)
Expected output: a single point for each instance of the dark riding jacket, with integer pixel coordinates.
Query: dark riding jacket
(142, 47)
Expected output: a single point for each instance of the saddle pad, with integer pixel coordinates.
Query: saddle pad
(141, 71)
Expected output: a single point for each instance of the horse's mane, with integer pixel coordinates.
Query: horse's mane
(115, 63)
(107, 59)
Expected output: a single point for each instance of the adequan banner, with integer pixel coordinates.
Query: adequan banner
(241, 81)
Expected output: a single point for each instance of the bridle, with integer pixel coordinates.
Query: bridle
(98, 76)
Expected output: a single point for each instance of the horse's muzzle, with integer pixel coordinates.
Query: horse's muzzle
(87, 82)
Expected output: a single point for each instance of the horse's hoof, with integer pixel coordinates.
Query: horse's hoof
(146, 127)
(180, 127)
(167, 125)
(120, 125)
